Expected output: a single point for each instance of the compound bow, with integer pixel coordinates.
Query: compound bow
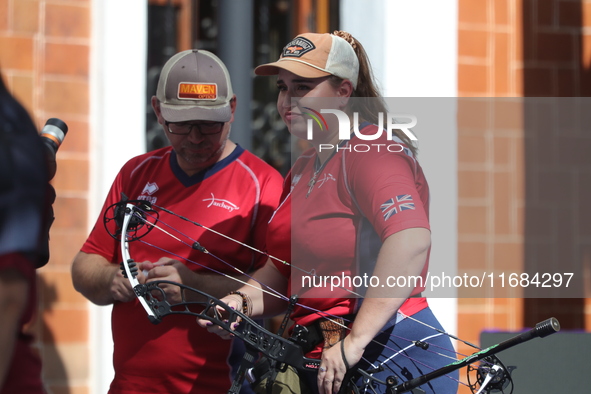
(134, 222)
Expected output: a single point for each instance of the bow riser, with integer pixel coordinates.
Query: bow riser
(127, 261)
(208, 308)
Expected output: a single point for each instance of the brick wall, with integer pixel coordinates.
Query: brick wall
(521, 191)
(557, 64)
(44, 59)
(490, 164)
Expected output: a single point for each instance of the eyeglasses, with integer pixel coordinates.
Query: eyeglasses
(205, 128)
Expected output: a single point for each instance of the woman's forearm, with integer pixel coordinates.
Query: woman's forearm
(402, 254)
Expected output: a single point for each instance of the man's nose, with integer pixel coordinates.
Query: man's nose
(195, 135)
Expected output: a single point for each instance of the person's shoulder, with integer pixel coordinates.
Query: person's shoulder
(157, 153)
(152, 156)
(248, 156)
(258, 165)
(378, 154)
(303, 160)
(145, 163)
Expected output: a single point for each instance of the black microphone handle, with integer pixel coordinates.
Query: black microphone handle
(52, 135)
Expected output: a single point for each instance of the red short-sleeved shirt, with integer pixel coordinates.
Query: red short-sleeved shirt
(236, 197)
(336, 226)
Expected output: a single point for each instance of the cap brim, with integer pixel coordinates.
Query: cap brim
(297, 67)
(185, 113)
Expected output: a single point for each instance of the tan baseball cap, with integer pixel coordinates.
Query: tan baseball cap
(314, 55)
(195, 85)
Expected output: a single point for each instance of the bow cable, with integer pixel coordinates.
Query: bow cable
(285, 298)
(271, 291)
(130, 211)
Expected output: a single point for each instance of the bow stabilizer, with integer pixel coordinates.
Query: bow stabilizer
(541, 330)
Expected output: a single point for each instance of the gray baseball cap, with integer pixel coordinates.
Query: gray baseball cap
(195, 85)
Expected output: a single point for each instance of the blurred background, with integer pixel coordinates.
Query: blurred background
(510, 186)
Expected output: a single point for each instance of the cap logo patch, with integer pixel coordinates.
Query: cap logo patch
(298, 47)
(197, 91)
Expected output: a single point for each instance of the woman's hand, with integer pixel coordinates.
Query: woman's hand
(402, 253)
(332, 368)
(234, 301)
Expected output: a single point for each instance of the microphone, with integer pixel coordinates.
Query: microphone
(52, 135)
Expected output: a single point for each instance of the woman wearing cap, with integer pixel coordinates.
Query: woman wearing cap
(360, 210)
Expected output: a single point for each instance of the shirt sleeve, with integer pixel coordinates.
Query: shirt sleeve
(389, 189)
(270, 193)
(99, 241)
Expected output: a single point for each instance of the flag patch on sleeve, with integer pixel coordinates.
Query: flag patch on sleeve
(397, 204)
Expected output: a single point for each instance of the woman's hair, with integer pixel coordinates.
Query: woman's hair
(369, 102)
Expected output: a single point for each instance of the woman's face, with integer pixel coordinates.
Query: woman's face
(312, 94)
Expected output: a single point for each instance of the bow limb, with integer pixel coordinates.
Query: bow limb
(129, 265)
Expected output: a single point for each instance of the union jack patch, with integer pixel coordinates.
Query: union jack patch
(400, 203)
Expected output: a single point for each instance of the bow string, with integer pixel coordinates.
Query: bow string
(136, 218)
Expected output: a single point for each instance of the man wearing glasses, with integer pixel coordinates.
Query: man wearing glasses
(209, 179)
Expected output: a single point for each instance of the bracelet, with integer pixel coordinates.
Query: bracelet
(246, 303)
(343, 355)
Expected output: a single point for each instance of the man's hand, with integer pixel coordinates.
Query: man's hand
(170, 270)
(121, 287)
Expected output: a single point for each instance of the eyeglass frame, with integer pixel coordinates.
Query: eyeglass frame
(191, 125)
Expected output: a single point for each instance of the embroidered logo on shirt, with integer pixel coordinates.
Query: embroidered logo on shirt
(400, 203)
(218, 202)
(324, 179)
(149, 189)
(295, 180)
